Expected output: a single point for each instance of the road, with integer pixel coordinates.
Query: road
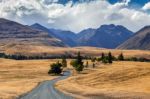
(46, 90)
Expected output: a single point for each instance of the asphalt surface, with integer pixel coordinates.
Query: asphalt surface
(46, 90)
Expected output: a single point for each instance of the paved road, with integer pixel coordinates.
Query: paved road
(46, 90)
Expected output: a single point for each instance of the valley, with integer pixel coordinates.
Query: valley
(45, 47)
(20, 76)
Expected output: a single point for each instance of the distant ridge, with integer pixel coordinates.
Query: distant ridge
(17, 36)
(106, 36)
(67, 37)
(140, 40)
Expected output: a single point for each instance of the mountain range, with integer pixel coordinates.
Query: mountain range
(18, 36)
(106, 36)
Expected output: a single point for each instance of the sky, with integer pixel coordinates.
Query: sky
(77, 15)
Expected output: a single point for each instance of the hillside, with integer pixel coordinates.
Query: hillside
(15, 36)
(120, 80)
(66, 37)
(141, 40)
(106, 36)
(84, 36)
(41, 28)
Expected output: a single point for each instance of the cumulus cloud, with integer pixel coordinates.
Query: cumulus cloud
(74, 17)
(146, 6)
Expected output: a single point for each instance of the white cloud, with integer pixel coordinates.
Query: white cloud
(146, 6)
(74, 17)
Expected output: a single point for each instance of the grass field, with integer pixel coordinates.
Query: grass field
(18, 77)
(123, 80)
(118, 79)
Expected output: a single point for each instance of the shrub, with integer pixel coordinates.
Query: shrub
(93, 65)
(55, 68)
(93, 59)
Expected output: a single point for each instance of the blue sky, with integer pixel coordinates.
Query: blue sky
(76, 15)
(132, 2)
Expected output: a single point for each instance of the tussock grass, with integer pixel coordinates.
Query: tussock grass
(119, 80)
(18, 77)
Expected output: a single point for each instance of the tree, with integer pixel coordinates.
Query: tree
(78, 64)
(110, 58)
(121, 57)
(64, 62)
(93, 59)
(55, 68)
(87, 64)
(79, 59)
(98, 59)
(105, 60)
(102, 56)
(93, 65)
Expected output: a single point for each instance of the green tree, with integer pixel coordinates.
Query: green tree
(64, 62)
(78, 64)
(98, 59)
(102, 56)
(105, 60)
(121, 57)
(110, 58)
(79, 59)
(55, 68)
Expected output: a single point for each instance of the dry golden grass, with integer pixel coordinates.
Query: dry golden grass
(18, 77)
(121, 79)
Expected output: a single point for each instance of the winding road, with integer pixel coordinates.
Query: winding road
(46, 90)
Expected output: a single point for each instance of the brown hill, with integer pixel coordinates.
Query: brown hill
(141, 40)
(15, 36)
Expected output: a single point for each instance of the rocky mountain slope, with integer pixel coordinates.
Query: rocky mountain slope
(107, 36)
(17, 36)
(66, 37)
(140, 40)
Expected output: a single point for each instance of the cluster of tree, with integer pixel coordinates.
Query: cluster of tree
(106, 58)
(57, 68)
(141, 59)
(78, 63)
(24, 57)
(109, 58)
